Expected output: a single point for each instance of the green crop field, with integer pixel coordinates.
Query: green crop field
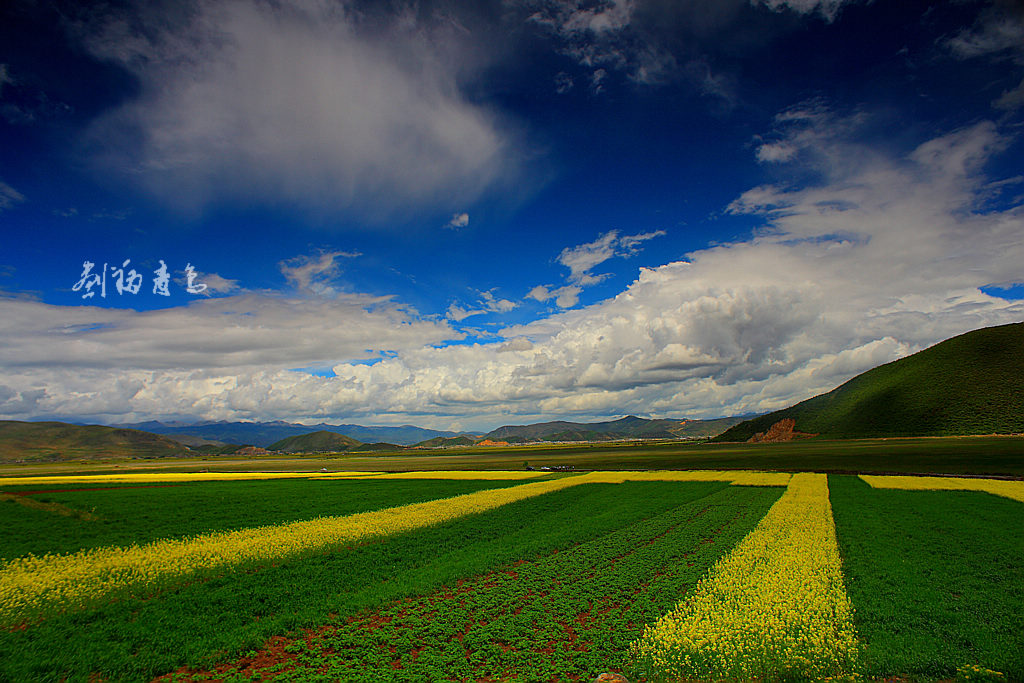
(544, 578)
(997, 455)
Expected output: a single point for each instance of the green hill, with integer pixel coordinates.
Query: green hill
(970, 384)
(447, 441)
(56, 441)
(630, 427)
(315, 442)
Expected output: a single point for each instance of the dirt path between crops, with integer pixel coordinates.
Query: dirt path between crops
(55, 508)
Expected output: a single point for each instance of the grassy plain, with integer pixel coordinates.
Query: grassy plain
(989, 455)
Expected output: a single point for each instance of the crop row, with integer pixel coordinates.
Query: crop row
(564, 616)
(1008, 489)
(775, 607)
(31, 585)
(201, 622)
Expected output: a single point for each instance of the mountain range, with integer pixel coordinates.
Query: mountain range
(264, 434)
(630, 427)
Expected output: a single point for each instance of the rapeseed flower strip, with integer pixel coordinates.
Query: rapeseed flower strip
(775, 608)
(488, 475)
(736, 477)
(32, 585)
(997, 487)
(165, 477)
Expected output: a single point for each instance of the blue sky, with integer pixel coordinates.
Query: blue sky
(467, 214)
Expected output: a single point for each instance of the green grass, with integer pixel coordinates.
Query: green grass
(207, 621)
(565, 616)
(970, 384)
(936, 578)
(129, 514)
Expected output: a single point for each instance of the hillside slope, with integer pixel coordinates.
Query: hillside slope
(315, 442)
(970, 384)
(54, 441)
(630, 427)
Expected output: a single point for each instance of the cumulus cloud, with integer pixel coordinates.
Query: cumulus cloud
(309, 104)
(248, 330)
(878, 260)
(881, 255)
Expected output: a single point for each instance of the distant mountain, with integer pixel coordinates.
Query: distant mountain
(630, 427)
(57, 441)
(315, 442)
(970, 384)
(266, 433)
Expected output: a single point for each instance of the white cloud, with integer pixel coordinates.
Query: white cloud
(488, 303)
(458, 220)
(828, 9)
(1011, 99)
(999, 30)
(300, 103)
(998, 34)
(581, 259)
(215, 284)
(9, 196)
(247, 330)
(775, 152)
(599, 37)
(884, 254)
(313, 274)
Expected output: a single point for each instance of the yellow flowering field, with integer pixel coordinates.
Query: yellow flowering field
(142, 478)
(1006, 489)
(31, 584)
(489, 475)
(775, 607)
(735, 477)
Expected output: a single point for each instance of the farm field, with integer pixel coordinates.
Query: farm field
(485, 576)
(983, 455)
